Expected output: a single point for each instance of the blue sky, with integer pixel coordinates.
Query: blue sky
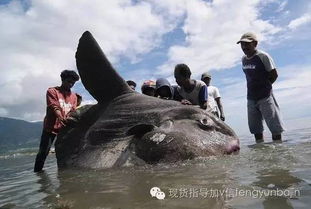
(146, 39)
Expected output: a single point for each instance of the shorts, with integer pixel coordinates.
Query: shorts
(267, 109)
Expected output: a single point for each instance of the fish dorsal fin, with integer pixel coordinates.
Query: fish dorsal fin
(97, 74)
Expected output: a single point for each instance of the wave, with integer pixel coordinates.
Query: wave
(20, 152)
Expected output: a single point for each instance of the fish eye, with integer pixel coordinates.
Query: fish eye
(203, 121)
(205, 124)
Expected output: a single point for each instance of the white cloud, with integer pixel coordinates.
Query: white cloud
(212, 30)
(38, 43)
(293, 89)
(298, 22)
(88, 101)
(282, 6)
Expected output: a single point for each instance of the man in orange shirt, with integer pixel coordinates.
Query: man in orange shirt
(60, 101)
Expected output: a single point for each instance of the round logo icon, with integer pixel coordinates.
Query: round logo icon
(156, 192)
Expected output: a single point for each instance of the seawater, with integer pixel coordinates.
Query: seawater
(268, 176)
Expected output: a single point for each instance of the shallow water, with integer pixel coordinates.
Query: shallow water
(266, 176)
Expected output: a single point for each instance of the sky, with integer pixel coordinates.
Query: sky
(145, 40)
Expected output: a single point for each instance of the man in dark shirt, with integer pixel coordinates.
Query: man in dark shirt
(260, 72)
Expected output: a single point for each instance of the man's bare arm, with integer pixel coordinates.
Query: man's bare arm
(273, 75)
(222, 115)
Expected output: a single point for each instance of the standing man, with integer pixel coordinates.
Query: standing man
(213, 97)
(60, 101)
(193, 92)
(260, 72)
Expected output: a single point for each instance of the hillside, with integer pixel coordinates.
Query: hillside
(14, 132)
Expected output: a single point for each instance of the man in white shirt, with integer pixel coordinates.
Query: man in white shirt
(213, 97)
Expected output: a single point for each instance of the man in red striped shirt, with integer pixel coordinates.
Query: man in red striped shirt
(60, 101)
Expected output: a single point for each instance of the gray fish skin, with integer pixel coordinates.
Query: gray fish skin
(127, 128)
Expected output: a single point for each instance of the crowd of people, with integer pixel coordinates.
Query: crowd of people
(188, 91)
(259, 69)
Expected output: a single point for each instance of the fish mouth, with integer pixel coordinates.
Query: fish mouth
(233, 147)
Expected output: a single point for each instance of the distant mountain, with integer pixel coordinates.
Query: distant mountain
(20, 133)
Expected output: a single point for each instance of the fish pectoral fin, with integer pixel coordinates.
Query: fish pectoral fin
(140, 129)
